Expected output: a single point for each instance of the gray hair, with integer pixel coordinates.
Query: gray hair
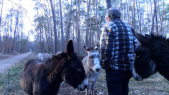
(112, 13)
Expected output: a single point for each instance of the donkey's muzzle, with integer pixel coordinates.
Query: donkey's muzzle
(97, 69)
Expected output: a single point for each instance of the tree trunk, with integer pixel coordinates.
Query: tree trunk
(54, 21)
(138, 14)
(16, 25)
(87, 28)
(98, 33)
(69, 23)
(121, 7)
(78, 27)
(1, 21)
(108, 4)
(152, 27)
(61, 25)
(1, 14)
(161, 18)
(90, 29)
(133, 14)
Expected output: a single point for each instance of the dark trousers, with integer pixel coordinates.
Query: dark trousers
(117, 81)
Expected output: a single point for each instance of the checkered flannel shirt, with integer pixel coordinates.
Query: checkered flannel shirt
(117, 45)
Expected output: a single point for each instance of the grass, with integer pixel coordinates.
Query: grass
(14, 77)
(155, 85)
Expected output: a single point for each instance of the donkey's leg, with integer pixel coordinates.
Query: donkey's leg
(93, 86)
(88, 90)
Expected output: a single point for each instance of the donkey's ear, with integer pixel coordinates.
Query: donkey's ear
(86, 48)
(96, 47)
(69, 48)
(140, 38)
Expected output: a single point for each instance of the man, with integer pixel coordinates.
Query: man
(117, 52)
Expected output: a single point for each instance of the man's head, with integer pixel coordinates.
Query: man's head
(112, 13)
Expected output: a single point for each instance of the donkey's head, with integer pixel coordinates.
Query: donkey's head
(93, 58)
(74, 73)
(149, 55)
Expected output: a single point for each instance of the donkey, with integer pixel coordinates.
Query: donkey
(46, 57)
(152, 56)
(44, 78)
(91, 65)
(40, 56)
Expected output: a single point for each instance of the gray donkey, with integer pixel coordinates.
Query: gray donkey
(91, 65)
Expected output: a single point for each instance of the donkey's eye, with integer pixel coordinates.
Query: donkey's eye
(137, 56)
(79, 69)
(91, 57)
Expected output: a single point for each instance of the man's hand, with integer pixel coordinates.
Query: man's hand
(104, 63)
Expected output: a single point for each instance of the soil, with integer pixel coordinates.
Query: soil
(155, 85)
(100, 88)
(6, 61)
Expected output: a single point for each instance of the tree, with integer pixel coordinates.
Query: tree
(87, 23)
(54, 21)
(69, 23)
(16, 27)
(133, 14)
(154, 15)
(61, 24)
(108, 4)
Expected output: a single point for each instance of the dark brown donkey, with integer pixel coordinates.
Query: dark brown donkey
(40, 78)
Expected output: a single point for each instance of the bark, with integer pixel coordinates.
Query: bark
(98, 33)
(161, 18)
(152, 26)
(1, 13)
(128, 14)
(69, 22)
(138, 14)
(16, 25)
(61, 25)
(147, 17)
(78, 28)
(87, 28)
(54, 21)
(108, 4)
(133, 14)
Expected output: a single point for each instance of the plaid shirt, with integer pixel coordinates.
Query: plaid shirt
(117, 45)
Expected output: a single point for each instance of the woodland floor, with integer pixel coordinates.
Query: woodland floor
(155, 85)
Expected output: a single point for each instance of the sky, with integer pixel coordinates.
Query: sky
(28, 17)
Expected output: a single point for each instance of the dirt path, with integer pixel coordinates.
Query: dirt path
(8, 62)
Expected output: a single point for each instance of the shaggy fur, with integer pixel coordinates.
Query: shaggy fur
(91, 65)
(151, 56)
(40, 56)
(40, 78)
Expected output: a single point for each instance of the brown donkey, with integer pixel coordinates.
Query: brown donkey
(40, 78)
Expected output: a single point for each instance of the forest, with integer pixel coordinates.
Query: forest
(57, 21)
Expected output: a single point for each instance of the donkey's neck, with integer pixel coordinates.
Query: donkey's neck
(163, 67)
(55, 68)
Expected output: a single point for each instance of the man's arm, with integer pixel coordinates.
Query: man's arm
(106, 45)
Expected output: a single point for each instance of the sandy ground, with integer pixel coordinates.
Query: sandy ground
(8, 62)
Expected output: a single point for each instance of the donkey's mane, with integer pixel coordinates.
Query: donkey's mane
(154, 36)
(56, 64)
(57, 59)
